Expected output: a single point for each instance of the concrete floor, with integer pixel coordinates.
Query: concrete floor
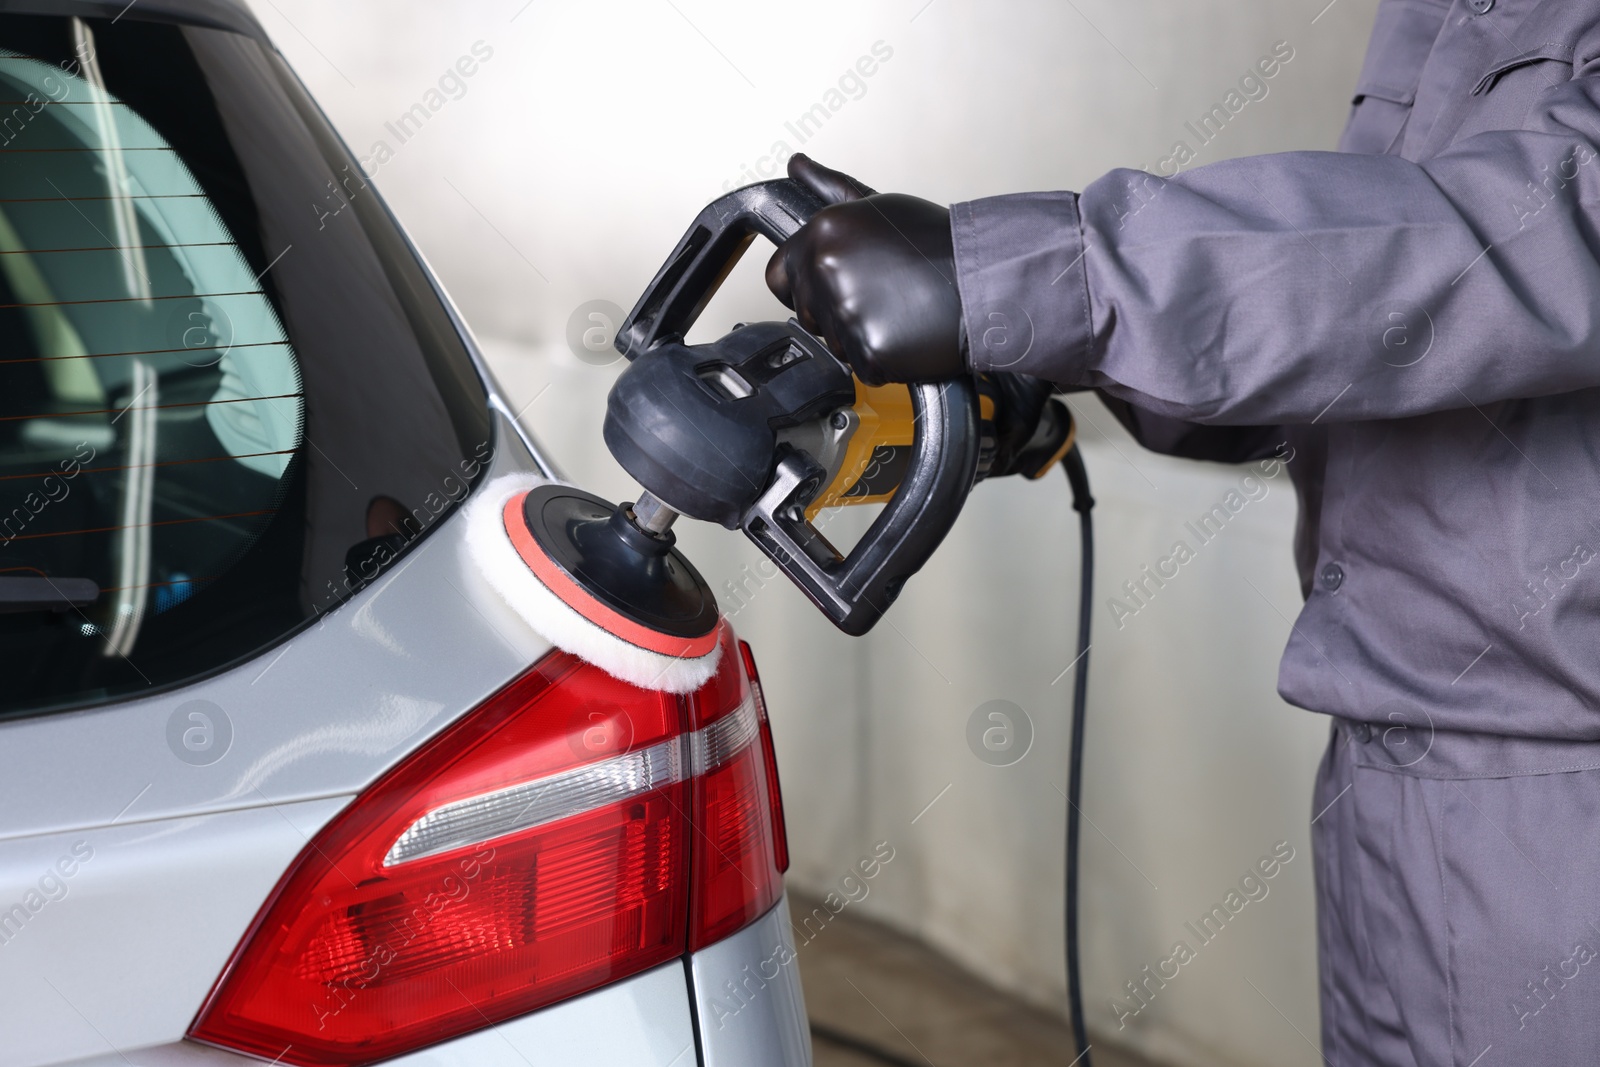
(877, 997)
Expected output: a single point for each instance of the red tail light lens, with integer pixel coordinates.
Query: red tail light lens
(779, 829)
(569, 832)
(736, 872)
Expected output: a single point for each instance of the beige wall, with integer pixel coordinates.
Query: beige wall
(568, 163)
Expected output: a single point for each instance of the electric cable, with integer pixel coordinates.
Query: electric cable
(1082, 503)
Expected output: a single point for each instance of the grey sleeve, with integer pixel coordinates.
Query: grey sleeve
(1279, 288)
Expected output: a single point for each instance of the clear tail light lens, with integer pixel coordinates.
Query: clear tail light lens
(571, 831)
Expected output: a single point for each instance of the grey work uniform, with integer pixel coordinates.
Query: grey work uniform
(1418, 316)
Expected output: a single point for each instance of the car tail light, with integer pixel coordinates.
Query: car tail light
(774, 794)
(567, 833)
(736, 848)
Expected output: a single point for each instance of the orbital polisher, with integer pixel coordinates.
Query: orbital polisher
(758, 431)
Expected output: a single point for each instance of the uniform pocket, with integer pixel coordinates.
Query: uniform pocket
(1378, 117)
(1512, 86)
(1406, 1002)
(1532, 61)
(1521, 877)
(1402, 36)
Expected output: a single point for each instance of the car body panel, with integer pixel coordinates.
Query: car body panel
(748, 998)
(134, 927)
(643, 1020)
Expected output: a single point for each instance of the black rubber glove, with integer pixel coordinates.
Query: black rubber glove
(873, 275)
(1025, 431)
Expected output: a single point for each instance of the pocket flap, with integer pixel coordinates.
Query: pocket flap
(1556, 50)
(1383, 91)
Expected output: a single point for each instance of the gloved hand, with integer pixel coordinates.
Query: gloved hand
(1024, 429)
(873, 275)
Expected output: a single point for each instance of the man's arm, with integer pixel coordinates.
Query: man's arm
(1282, 288)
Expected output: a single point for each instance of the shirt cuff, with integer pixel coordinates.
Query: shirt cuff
(1024, 289)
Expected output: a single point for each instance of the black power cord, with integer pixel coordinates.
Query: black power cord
(1082, 503)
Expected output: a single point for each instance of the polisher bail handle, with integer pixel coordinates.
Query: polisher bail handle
(855, 590)
(714, 242)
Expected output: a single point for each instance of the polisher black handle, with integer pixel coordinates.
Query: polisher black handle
(855, 590)
(717, 238)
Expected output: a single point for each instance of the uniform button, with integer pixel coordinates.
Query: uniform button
(1482, 7)
(1332, 577)
(1363, 732)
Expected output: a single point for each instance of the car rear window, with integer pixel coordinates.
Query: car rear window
(228, 393)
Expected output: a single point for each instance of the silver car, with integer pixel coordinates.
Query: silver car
(281, 776)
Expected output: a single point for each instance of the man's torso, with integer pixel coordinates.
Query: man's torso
(1454, 558)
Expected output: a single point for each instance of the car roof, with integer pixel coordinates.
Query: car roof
(217, 14)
